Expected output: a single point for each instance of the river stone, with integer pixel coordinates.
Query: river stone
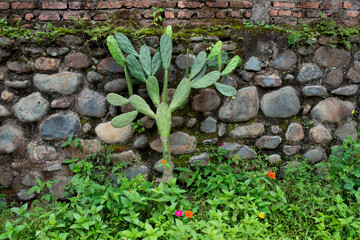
(147, 121)
(347, 90)
(31, 108)
(315, 155)
(317, 91)
(176, 121)
(181, 60)
(19, 67)
(354, 73)
(295, 132)
(269, 142)
(253, 64)
(140, 142)
(7, 96)
(320, 134)
(357, 55)
(334, 78)
(109, 65)
(221, 129)
(243, 151)
(290, 150)
(132, 172)
(282, 103)
(191, 123)
(245, 75)
(248, 131)
(212, 141)
(285, 61)
(309, 72)
(88, 147)
(4, 112)
(158, 166)
(70, 40)
(209, 125)
(77, 60)
(126, 156)
(30, 179)
(290, 168)
(345, 130)
(58, 188)
(46, 64)
(10, 138)
(41, 154)
(53, 168)
(91, 104)
(56, 52)
(272, 80)
(206, 101)
(289, 77)
(229, 80)
(94, 77)
(4, 55)
(6, 177)
(180, 143)
(109, 134)
(332, 57)
(65, 83)
(332, 110)
(62, 102)
(60, 125)
(243, 108)
(22, 195)
(116, 86)
(17, 84)
(199, 159)
(274, 159)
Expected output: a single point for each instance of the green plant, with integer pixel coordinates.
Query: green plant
(41, 187)
(138, 126)
(72, 143)
(144, 72)
(308, 124)
(157, 18)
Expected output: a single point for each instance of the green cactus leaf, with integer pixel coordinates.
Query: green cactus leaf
(225, 90)
(115, 51)
(198, 64)
(206, 81)
(139, 104)
(231, 65)
(145, 60)
(163, 120)
(125, 44)
(135, 68)
(152, 87)
(200, 74)
(181, 94)
(165, 51)
(124, 119)
(168, 31)
(216, 49)
(116, 99)
(155, 64)
(214, 63)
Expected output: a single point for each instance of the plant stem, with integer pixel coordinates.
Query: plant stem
(219, 60)
(167, 172)
(128, 80)
(187, 63)
(165, 87)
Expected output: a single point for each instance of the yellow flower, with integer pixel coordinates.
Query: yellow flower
(163, 161)
(261, 215)
(353, 111)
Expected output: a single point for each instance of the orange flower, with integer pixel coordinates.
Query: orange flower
(188, 214)
(163, 161)
(261, 215)
(271, 175)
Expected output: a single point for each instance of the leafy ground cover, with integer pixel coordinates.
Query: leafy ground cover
(216, 199)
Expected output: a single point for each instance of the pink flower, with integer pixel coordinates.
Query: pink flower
(178, 213)
(205, 163)
(223, 144)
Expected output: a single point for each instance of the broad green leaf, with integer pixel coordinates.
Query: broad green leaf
(140, 104)
(135, 68)
(124, 119)
(163, 120)
(225, 90)
(156, 63)
(115, 51)
(152, 87)
(145, 59)
(231, 66)
(216, 49)
(168, 31)
(125, 44)
(207, 80)
(181, 94)
(198, 64)
(200, 74)
(166, 51)
(214, 63)
(116, 99)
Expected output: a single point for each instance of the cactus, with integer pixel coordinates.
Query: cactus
(143, 68)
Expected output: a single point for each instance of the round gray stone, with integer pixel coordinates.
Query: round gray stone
(126, 156)
(332, 57)
(309, 72)
(199, 159)
(132, 172)
(10, 138)
(320, 134)
(31, 108)
(116, 86)
(65, 83)
(243, 151)
(23, 196)
(140, 142)
(274, 159)
(295, 132)
(334, 78)
(176, 121)
(248, 131)
(181, 61)
(209, 125)
(253, 64)
(272, 80)
(55, 52)
(315, 155)
(4, 112)
(346, 130)
(354, 73)
(30, 179)
(94, 77)
(317, 91)
(60, 125)
(269, 142)
(206, 101)
(221, 129)
(180, 143)
(53, 168)
(91, 103)
(290, 150)
(58, 188)
(347, 90)
(6, 177)
(285, 61)
(17, 84)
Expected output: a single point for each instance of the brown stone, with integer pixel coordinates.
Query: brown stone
(88, 147)
(46, 64)
(109, 65)
(63, 102)
(354, 73)
(78, 60)
(320, 134)
(109, 134)
(334, 78)
(180, 143)
(285, 61)
(7, 96)
(332, 110)
(19, 67)
(6, 177)
(206, 101)
(332, 57)
(295, 132)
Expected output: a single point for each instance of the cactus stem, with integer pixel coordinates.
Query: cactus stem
(165, 87)
(167, 172)
(128, 80)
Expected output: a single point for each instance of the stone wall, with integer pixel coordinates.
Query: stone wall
(177, 12)
(53, 90)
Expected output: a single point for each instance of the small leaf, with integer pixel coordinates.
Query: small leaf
(168, 31)
(181, 94)
(198, 64)
(125, 44)
(116, 99)
(225, 90)
(231, 66)
(156, 63)
(207, 80)
(135, 68)
(166, 51)
(200, 74)
(215, 51)
(152, 87)
(116, 51)
(124, 119)
(140, 104)
(145, 59)
(214, 63)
